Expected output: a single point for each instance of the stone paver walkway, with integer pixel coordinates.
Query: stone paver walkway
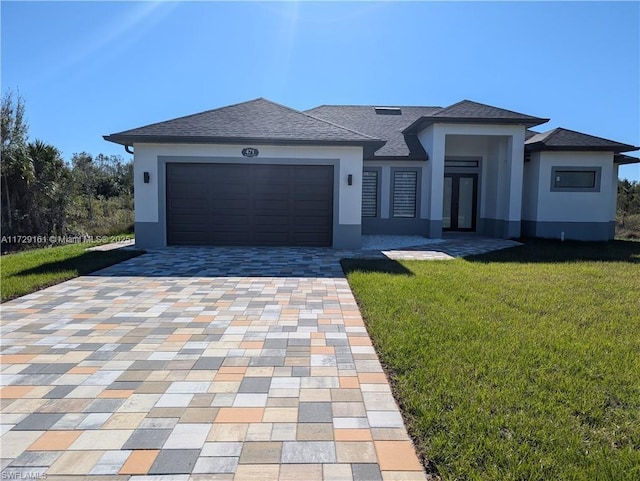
(187, 363)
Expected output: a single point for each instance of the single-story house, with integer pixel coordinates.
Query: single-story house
(260, 173)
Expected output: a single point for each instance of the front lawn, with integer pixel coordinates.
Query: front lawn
(29, 271)
(523, 364)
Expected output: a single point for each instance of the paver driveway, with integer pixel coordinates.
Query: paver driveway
(230, 364)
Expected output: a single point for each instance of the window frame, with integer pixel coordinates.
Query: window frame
(417, 172)
(558, 168)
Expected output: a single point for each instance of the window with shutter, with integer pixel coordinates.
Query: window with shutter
(370, 193)
(405, 185)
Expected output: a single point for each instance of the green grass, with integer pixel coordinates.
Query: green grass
(29, 271)
(523, 364)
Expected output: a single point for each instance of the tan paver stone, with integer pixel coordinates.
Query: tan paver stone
(199, 415)
(403, 476)
(299, 472)
(15, 442)
(116, 393)
(389, 434)
(239, 415)
(315, 395)
(314, 432)
(346, 395)
(222, 377)
(355, 452)
(16, 358)
(336, 472)
(352, 434)
(14, 392)
(106, 439)
(259, 371)
(153, 387)
(349, 382)
(323, 350)
(232, 370)
(372, 378)
(224, 387)
(24, 406)
(139, 462)
(280, 415)
(397, 456)
(359, 340)
(166, 413)
(55, 441)
(124, 421)
(257, 472)
(75, 462)
(106, 327)
(261, 453)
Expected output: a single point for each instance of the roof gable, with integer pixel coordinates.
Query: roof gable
(255, 120)
(467, 111)
(565, 139)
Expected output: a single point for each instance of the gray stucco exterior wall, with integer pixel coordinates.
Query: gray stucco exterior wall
(582, 231)
(506, 229)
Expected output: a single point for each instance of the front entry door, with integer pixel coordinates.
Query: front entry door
(460, 202)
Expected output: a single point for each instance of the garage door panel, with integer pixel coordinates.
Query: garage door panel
(228, 205)
(264, 205)
(310, 220)
(243, 204)
(307, 205)
(186, 220)
(262, 222)
(221, 191)
(227, 220)
(185, 204)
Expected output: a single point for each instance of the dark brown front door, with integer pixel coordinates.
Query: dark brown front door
(460, 202)
(249, 205)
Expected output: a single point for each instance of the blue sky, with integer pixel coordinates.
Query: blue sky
(86, 69)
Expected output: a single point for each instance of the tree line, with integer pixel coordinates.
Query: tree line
(45, 197)
(628, 209)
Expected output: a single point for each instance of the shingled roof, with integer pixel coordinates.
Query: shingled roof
(386, 123)
(467, 111)
(565, 139)
(258, 120)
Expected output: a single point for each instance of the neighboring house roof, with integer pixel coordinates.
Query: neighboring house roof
(467, 111)
(386, 123)
(565, 139)
(258, 120)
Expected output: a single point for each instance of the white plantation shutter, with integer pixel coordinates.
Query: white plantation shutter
(369, 193)
(404, 193)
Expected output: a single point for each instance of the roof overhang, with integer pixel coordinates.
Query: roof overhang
(424, 122)
(622, 159)
(369, 146)
(540, 146)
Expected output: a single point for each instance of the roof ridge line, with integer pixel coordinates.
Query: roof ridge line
(193, 115)
(319, 119)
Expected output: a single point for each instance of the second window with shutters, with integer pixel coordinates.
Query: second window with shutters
(370, 193)
(405, 185)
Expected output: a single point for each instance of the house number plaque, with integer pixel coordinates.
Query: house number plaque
(250, 152)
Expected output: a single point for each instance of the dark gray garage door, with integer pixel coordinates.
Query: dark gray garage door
(249, 205)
